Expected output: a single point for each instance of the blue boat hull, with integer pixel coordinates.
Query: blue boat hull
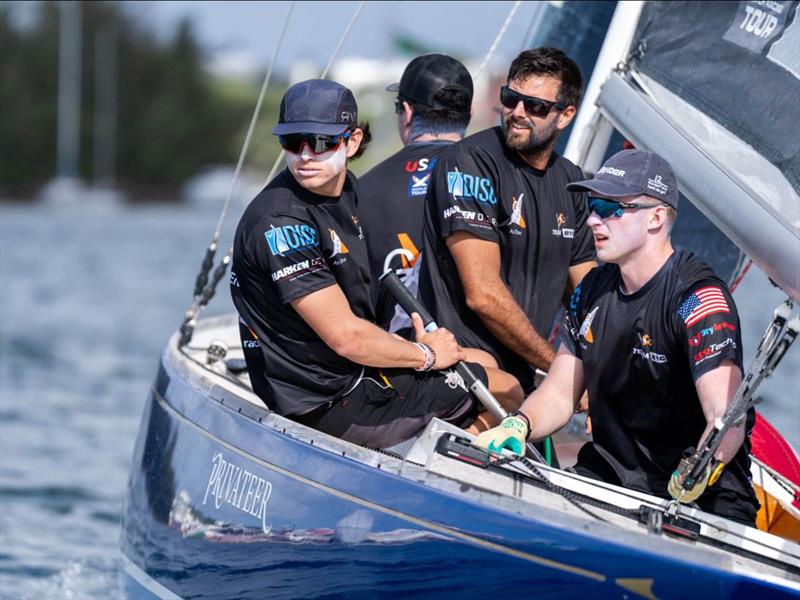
(222, 505)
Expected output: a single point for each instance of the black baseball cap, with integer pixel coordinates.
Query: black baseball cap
(631, 173)
(317, 106)
(427, 74)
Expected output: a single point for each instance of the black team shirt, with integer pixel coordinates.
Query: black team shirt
(481, 187)
(391, 205)
(641, 355)
(291, 242)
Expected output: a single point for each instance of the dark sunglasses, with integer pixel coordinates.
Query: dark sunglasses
(606, 208)
(535, 107)
(318, 142)
(398, 105)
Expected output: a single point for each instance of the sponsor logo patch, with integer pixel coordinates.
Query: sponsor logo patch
(697, 338)
(645, 342)
(560, 231)
(712, 350)
(470, 187)
(586, 327)
(290, 238)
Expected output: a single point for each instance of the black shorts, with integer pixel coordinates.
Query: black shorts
(389, 406)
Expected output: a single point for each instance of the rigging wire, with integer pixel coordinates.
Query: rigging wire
(201, 286)
(205, 289)
(323, 75)
(497, 39)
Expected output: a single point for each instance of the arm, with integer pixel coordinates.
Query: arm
(328, 313)
(548, 409)
(478, 264)
(715, 390)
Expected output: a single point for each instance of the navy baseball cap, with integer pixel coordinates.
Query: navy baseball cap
(631, 173)
(317, 106)
(428, 74)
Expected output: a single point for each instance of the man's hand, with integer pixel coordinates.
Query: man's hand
(684, 496)
(510, 434)
(441, 341)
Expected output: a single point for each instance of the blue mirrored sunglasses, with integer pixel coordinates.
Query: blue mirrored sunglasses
(612, 208)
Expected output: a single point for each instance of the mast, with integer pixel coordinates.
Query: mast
(69, 90)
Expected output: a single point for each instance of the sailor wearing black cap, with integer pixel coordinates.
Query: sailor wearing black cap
(654, 337)
(433, 102)
(301, 284)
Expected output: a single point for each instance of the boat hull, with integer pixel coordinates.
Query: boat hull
(223, 501)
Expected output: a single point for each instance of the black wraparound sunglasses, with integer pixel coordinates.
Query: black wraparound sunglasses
(317, 142)
(535, 107)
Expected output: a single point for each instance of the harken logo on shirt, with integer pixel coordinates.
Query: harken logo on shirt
(290, 238)
(561, 231)
(299, 269)
(645, 343)
(470, 187)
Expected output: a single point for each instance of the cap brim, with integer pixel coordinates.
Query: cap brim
(395, 87)
(309, 127)
(612, 189)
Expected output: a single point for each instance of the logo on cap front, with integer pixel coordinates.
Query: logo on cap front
(612, 171)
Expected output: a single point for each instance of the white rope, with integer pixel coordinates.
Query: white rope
(322, 76)
(499, 37)
(252, 126)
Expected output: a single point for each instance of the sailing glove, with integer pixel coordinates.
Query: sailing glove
(510, 434)
(682, 495)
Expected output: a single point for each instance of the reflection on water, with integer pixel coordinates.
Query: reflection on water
(88, 297)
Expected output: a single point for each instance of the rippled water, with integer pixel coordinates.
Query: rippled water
(88, 297)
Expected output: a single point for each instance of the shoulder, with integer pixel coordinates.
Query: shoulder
(690, 272)
(564, 169)
(596, 283)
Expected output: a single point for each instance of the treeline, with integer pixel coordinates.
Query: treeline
(172, 117)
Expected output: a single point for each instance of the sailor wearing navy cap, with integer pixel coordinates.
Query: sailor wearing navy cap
(302, 287)
(654, 337)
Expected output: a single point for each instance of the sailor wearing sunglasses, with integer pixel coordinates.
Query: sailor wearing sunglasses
(302, 286)
(502, 238)
(654, 337)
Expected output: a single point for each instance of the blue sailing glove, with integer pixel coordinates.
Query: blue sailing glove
(510, 434)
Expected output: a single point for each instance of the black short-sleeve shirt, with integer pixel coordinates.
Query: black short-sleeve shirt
(641, 355)
(481, 187)
(289, 243)
(391, 204)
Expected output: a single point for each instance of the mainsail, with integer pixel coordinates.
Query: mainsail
(714, 88)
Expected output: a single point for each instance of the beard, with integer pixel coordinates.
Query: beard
(537, 142)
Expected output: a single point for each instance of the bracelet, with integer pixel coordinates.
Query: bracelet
(430, 357)
(525, 418)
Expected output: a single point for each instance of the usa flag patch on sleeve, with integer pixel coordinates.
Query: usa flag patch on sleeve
(702, 303)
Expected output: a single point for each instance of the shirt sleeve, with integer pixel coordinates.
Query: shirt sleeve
(288, 251)
(708, 326)
(570, 325)
(463, 195)
(583, 244)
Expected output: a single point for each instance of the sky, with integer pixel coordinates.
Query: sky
(245, 33)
